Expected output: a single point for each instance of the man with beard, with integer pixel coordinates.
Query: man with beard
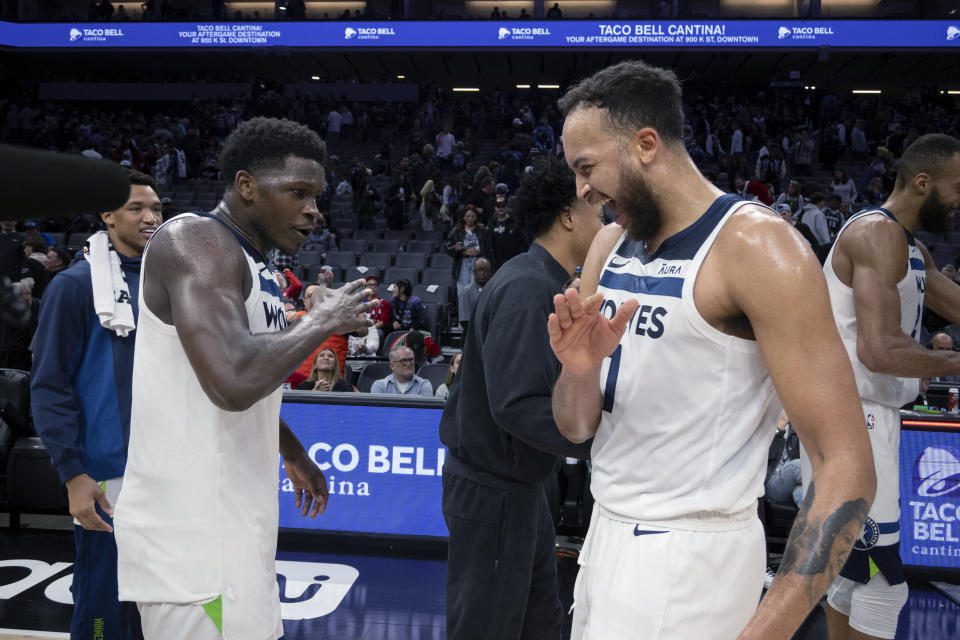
(880, 277)
(695, 311)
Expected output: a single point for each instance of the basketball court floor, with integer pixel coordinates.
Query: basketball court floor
(331, 590)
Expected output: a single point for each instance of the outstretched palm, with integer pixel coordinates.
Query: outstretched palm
(581, 336)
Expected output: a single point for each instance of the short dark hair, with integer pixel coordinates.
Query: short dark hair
(817, 197)
(544, 192)
(37, 243)
(925, 155)
(261, 143)
(141, 179)
(635, 95)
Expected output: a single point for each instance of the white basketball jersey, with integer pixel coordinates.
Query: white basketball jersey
(688, 411)
(197, 515)
(888, 390)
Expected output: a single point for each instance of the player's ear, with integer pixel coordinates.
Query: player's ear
(246, 185)
(566, 218)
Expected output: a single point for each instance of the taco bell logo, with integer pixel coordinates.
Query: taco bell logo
(938, 472)
(953, 33)
(783, 32)
(349, 33)
(504, 33)
(75, 34)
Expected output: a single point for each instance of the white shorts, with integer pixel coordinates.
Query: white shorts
(163, 621)
(683, 579)
(871, 608)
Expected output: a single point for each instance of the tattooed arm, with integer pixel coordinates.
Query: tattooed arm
(779, 286)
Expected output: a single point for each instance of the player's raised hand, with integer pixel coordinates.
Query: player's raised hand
(581, 336)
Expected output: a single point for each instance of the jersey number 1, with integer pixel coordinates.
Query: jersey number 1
(610, 387)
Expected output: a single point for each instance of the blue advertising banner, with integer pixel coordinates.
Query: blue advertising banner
(707, 34)
(382, 466)
(930, 498)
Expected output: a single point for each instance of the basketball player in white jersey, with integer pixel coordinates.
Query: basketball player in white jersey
(880, 277)
(196, 520)
(696, 311)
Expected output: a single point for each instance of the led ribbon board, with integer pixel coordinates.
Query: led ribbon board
(466, 34)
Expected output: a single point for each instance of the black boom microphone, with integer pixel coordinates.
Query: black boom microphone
(35, 183)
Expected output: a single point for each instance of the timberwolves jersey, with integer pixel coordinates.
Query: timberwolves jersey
(197, 517)
(877, 548)
(882, 388)
(687, 410)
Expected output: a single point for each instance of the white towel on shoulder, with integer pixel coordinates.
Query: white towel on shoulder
(111, 297)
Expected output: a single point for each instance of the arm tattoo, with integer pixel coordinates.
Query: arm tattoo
(818, 545)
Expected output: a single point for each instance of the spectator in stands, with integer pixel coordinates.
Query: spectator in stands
(33, 271)
(15, 341)
(802, 153)
(858, 141)
(752, 190)
(465, 243)
(81, 390)
(467, 296)
(396, 200)
(58, 259)
(444, 389)
(407, 311)
(366, 345)
(337, 342)
(324, 277)
(483, 199)
(445, 145)
(843, 186)
(505, 238)
(320, 239)
(380, 315)
(334, 120)
(554, 12)
(32, 230)
(812, 216)
(792, 197)
(430, 203)
(11, 250)
(290, 285)
(403, 380)
(834, 216)
(942, 341)
(875, 193)
(325, 374)
(543, 136)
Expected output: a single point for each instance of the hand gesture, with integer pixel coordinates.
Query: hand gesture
(309, 483)
(84, 493)
(581, 336)
(343, 310)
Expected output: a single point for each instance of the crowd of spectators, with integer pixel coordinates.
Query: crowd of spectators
(449, 165)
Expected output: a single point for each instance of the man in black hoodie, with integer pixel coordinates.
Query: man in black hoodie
(498, 426)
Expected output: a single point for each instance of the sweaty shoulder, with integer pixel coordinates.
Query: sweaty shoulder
(872, 241)
(194, 241)
(754, 232)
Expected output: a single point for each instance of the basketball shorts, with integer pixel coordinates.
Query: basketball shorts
(700, 577)
(164, 621)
